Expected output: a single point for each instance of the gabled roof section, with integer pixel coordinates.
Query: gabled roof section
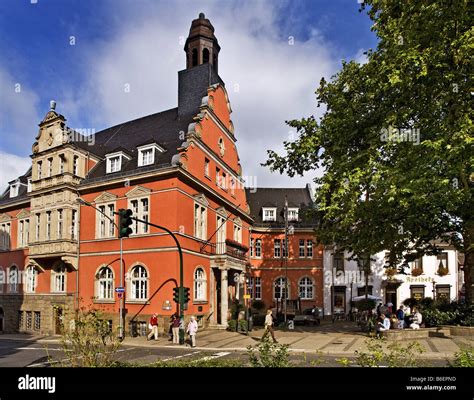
(275, 198)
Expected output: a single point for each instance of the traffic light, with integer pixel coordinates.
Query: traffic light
(186, 294)
(176, 294)
(125, 221)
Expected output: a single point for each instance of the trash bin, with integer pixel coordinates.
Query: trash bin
(133, 328)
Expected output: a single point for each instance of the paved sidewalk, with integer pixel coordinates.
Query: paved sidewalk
(340, 339)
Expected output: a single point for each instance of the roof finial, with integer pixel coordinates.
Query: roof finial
(201, 15)
(52, 105)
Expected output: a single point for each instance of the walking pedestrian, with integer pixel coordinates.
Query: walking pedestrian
(175, 328)
(192, 330)
(269, 326)
(153, 325)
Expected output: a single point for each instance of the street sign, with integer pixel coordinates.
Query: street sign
(120, 289)
(246, 296)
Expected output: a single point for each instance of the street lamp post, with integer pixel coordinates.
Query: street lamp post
(86, 203)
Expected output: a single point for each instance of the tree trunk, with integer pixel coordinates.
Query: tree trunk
(468, 261)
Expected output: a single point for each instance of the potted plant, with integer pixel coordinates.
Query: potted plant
(442, 270)
(416, 271)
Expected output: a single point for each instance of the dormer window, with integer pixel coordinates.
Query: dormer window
(29, 185)
(114, 161)
(293, 214)
(269, 213)
(14, 188)
(146, 154)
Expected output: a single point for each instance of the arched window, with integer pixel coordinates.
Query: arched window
(194, 57)
(306, 288)
(139, 283)
(200, 285)
(59, 279)
(280, 289)
(13, 279)
(31, 279)
(205, 56)
(105, 284)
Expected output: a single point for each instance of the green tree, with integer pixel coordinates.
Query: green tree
(395, 140)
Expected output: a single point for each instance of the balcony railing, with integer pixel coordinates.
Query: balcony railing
(229, 248)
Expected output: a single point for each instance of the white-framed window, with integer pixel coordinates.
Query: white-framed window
(37, 227)
(139, 283)
(13, 278)
(200, 285)
(114, 161)
(254, 288)
(74, 225)
(258, 248)
(237, 233)
(59, 279)
(146, 154)
(48, 225)
(50, 167)
(224, 181)
(39, 169)
(309, 249)
(23, 232)
(221, 234)
(301, 249)
(277, 248)
(293, 214)
(141, 210)
(200, 221)
(5, 236)
(14, 188)
(206, 167)
(306, 288)
(31, 279)
(105, 284)
(218, 177)
(29, 186)
(75, 165)
(284, 248)
(106, 219)
(279, 288)
(232, 186)
(60, 223)
(269, 214)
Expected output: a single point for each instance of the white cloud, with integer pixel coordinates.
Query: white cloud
(19, 117)
(276, 80)
(11, 167)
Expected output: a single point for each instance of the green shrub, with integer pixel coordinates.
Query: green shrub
(243, 325)
(464, 358)
(232, 325)
(269, 354)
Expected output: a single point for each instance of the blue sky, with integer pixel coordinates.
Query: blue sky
(82, 53)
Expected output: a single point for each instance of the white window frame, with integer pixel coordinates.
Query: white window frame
(200, 284)
(304, 287)
(269, 214)
(37, 227)
(277, 253)
(105, 223)
(257, 291)
(74, 224)
(110, 166)
(15, 188)
(258, 246)
(50, 167)
(309, 248)
(200, 221)
(48, 225)
(207, 164)
(75, 165)
(5, 239)
(293, 213)
(141, 149)
(59, 279)
(141, 210)
(31, 279)
(237, 232)
(29, 185)
(62, 163)
(60, 226)
(139, 284)
(23, 232)
(39, 169)
(105, 284)
(13, 279)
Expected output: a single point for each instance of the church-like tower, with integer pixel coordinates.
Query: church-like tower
(201, 46)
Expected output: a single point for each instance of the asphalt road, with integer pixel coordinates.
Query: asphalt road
(18, 353)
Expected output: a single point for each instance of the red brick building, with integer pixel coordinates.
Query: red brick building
(59, 246)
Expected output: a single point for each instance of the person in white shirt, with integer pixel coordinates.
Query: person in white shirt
(416, 319)
(269, 326)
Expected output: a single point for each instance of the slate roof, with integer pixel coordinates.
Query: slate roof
(5, 196)
(162, 128)
(275, 197)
